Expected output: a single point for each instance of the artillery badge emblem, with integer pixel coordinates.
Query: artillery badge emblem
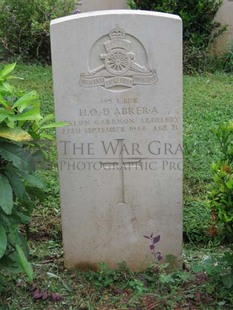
(119, 69)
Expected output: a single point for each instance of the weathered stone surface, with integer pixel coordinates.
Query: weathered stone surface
(118, 83)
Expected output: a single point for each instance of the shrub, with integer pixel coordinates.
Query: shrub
(198, 26)
(221, 189)
(24, 26)
(21, 129)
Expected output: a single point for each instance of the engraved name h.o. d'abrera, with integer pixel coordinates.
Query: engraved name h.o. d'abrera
(119, 67)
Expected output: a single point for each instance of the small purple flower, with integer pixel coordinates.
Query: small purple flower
(153, 240)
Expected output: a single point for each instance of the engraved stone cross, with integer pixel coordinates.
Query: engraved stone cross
(122, 164)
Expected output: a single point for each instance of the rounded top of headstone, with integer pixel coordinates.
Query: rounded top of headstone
(115, 12)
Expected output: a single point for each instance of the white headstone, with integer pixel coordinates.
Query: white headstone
(118, 83)
(96, 5)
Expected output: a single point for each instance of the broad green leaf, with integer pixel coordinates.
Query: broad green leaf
(10, 123)
(16, 183)
(31, 115)
(6, 195)
(3, 102)
(14, 235)
(46, 118)
(25, 100)
(35, 135)
(2, 117)
(46, 136)
(24, 219)
(5, 114)
(15, 134)
(229, 184)
(9, 264)
(54, 125)
(33, 180)
(3, 241)
(7, 87)
(15, 154)
(7, 69)
(5, 219)
(26, 266)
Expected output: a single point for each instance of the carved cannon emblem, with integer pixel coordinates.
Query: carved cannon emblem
(118, 61)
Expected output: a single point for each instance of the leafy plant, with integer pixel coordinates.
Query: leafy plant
(138, 286)
(24, 26)
(219, 270)
(221, 190)
(153, 240)
(105, 276)
(21, 129)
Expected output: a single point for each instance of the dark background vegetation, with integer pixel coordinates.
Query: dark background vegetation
(24, 29)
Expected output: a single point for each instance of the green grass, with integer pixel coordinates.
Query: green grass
(208, 101)
(39, 78)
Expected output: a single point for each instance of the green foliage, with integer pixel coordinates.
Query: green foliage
(26, 266)
(197, 223)
(227, 275)
(24, 26)
(221, 190)
(198, 23)
(227, 60)
(21, 129)
(105, 276)
(162, 281)
(219, 270)
(207, 103)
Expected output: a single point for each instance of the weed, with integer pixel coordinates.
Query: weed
(221, 189)
(153, 240)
